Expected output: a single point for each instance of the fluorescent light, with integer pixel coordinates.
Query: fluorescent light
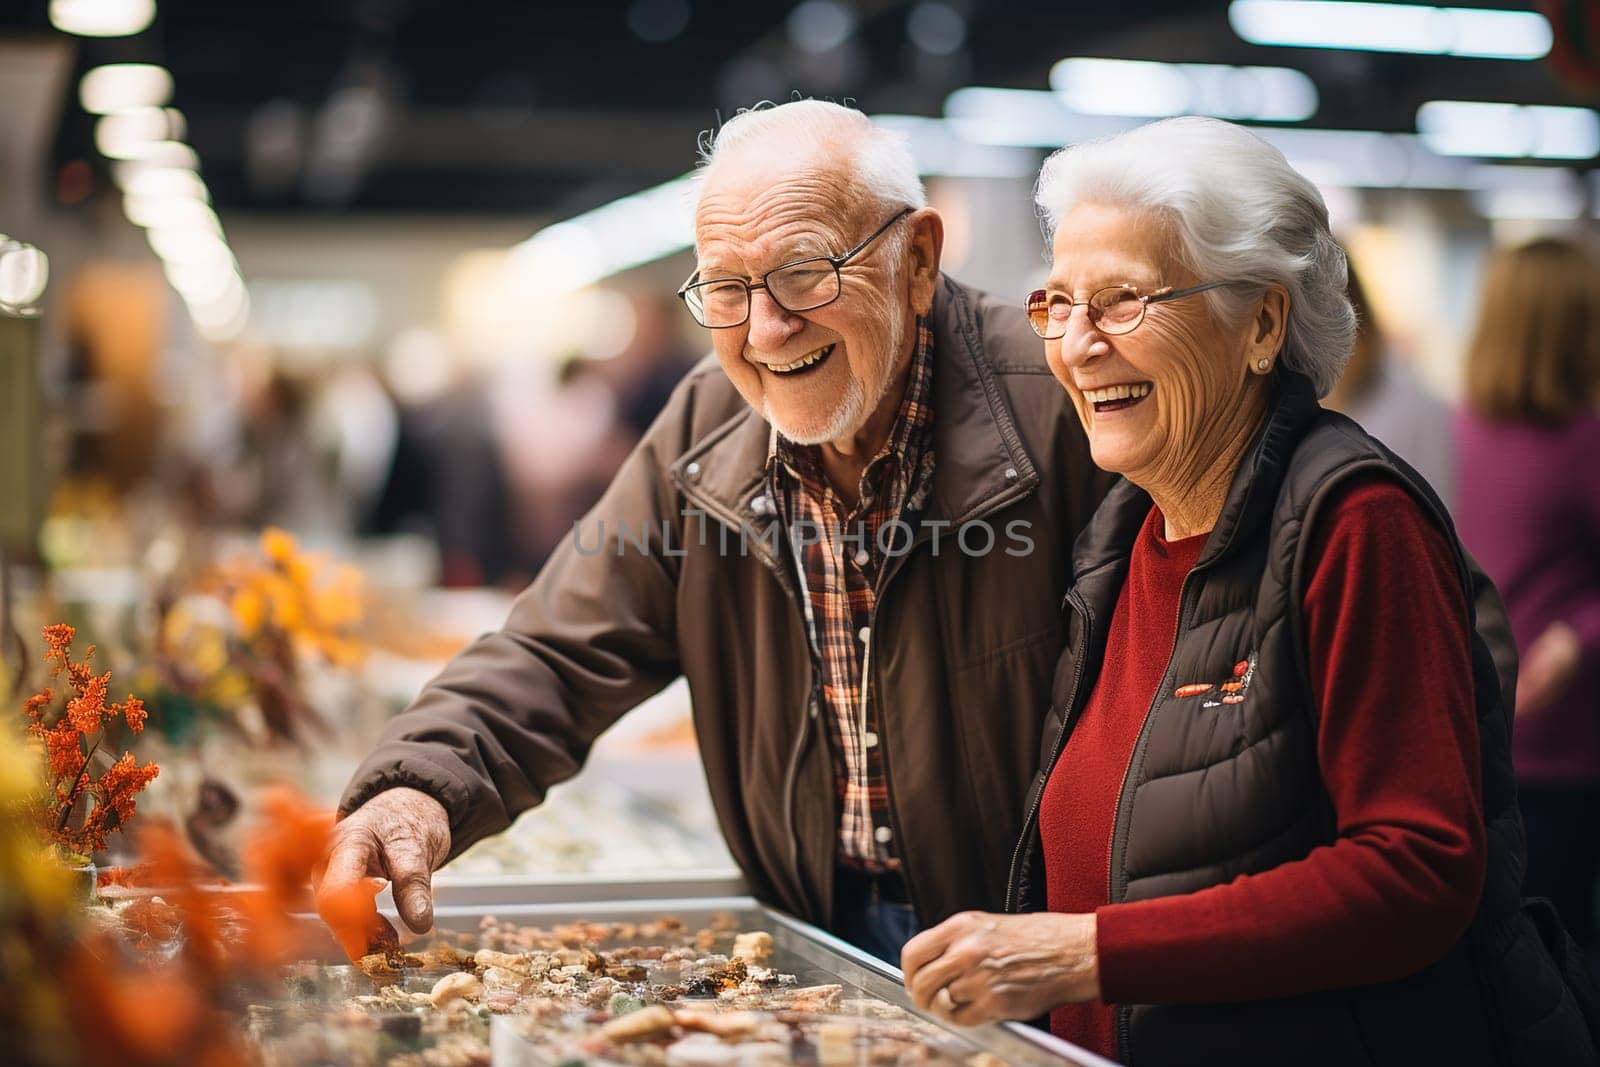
(1144, 89)
(163, 154)
(940, 150)
(1529, 203)
(1023, 118)
(171, 213)
(189, 246)
(1480, 128)
(222, 319)
(24, 272)
(1379, 27)
(201, 282)
(1121, 87)
(144, 181)
(198, 278)
(223, 305)
(124, 87)
(579, 251)
(102, 18)
(132, 134)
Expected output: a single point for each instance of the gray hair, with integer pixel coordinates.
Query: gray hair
(1238, 211)
(882, 168)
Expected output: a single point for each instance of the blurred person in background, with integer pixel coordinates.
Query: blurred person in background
(447, 481)
(657, 357)
(1381, 391)
(561, 440)
(1528, 504)
(285, 473)
(1275, 820)
(859, 519)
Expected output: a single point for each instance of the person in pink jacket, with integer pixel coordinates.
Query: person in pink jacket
(1527, 504)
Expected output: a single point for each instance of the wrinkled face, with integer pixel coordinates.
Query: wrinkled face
(1146, 398)
(816, 375)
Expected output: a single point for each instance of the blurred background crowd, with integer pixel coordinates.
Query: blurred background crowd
(396, 278)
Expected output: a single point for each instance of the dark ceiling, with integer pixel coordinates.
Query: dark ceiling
(516, 106)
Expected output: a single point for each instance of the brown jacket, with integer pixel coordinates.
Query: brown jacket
(964, 642)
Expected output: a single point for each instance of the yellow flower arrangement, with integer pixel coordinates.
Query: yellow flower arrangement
(303, 597)
(244, 634)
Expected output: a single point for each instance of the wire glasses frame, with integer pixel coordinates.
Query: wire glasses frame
(796, 286)
(1114, 310)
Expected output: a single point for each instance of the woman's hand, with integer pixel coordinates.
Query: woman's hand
(977, 968)
(1548, 669)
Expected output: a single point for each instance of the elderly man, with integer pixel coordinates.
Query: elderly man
(852, 538)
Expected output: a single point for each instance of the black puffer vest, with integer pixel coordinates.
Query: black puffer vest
(1226, 783)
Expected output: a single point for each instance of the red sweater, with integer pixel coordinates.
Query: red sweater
(1397, 745)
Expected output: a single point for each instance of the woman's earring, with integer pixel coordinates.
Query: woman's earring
(1262, 364)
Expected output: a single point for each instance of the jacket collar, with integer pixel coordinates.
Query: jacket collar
(979, 462)
(1110, 534)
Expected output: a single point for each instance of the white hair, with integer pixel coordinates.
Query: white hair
(882, 168)
(1238, 211)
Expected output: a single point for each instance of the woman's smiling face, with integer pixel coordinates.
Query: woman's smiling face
(1146, 397)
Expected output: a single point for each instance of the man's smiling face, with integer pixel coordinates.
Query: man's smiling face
(816, 375)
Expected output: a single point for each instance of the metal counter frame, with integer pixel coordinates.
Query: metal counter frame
(798, 946)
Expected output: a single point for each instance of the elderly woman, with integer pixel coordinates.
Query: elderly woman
(1275, 821)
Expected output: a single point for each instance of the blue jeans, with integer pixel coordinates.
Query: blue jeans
(862, 917)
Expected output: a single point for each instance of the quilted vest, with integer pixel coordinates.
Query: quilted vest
(1225, 782)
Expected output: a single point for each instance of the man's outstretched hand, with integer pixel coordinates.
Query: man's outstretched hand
(400, 834)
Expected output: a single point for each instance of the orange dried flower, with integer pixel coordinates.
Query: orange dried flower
(89, 707)
(65, 753)
(280, 857)
(34, 708)
(58, 640)
(133, 713)
(69, 743)
(121, 781)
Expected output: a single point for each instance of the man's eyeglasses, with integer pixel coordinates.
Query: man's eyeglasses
(1116, 309)
(801, 285)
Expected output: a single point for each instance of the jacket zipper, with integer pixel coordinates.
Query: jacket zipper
(791, 782)
(1068, 712)
(1114, 863)
(1004, 500)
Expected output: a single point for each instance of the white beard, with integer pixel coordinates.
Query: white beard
(853, 408)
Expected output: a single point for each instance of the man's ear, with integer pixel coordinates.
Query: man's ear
(922, 257)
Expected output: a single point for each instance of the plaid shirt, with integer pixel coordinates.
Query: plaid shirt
(839, 561)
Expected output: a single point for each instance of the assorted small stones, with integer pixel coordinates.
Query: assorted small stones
(652, 994)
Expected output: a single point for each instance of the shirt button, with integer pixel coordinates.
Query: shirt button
(693, 471)
(865, 634)
(871, 739)
(882, 835)
(862, 557)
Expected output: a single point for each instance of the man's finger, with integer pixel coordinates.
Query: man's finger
(411, 875)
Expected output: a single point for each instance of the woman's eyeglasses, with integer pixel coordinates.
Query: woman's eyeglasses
(1116, 309)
